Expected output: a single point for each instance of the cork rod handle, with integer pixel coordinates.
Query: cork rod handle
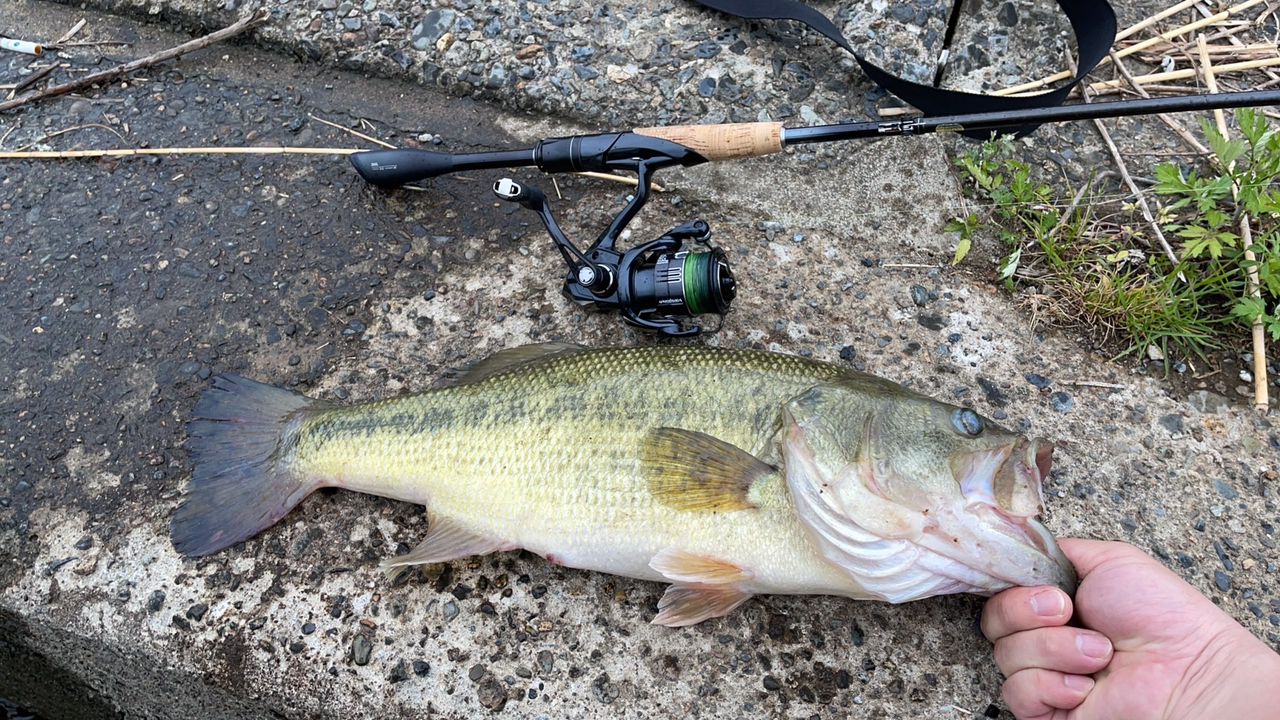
(722, 142)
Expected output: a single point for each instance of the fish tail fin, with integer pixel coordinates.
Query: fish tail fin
(240, 484)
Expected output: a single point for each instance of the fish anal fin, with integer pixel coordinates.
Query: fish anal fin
(446, 541)
(510, 359)
(689, 470)
(681, 566)
(686, 604)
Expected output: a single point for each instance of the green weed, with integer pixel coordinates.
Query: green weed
(1208, 217)
(1094, 263)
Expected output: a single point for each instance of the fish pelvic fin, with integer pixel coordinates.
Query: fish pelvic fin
(693, 471)
(681, 566)
(685, 604)
(446, 541)
(239, 485)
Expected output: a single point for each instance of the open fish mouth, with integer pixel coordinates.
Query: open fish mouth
(1004, 486)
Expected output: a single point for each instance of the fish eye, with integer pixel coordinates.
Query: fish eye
(967, 422)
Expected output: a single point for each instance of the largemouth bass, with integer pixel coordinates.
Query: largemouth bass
(727, 473)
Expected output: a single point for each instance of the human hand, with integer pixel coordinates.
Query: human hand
(1152, 647)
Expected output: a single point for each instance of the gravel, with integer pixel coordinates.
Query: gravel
(361, 650)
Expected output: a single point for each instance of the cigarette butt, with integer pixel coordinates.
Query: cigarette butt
(21, 46)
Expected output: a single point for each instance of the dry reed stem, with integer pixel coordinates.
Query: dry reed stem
(1136, 47)
(1234, 40)
(1260, 400)
(1155, 19)
(1161, 77)
(1106, 87)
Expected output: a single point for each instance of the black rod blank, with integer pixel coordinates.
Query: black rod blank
(695, 144)
(1013, 119)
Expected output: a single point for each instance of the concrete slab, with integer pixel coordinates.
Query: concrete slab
(125, 283)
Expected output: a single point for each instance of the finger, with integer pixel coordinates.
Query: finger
(1036, 692)
(1067, 650)
(1019, 609)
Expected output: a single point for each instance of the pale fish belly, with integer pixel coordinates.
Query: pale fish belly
(771, 547)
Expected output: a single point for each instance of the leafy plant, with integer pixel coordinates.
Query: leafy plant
(1020, 205)
(1098, 269)
(1209, 212)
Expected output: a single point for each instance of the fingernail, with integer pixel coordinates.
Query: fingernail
(1048, 603)
(1094, 646)
(1079, 683)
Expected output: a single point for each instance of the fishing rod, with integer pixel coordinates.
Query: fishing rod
(662, 284)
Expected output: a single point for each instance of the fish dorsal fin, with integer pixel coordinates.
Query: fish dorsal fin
(446, 541)
(689, 470)
(679, 566)
(682, 605)
(510, 359)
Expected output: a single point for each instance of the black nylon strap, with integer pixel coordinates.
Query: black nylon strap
(1092, 21)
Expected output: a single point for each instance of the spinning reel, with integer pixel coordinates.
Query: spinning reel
(656, 285)
(660, 285)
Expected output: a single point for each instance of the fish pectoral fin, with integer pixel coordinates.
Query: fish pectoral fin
(446, 541)
(680, 566)
(690, 603)
(510, 359)
(689, 470)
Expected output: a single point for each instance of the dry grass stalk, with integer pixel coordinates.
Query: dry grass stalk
(1094, 384)
(1139, 197)
(128, 152)
(52, 135)
(70, 33)
(352, 132)
(32, 79)
(1260, 400)
(1168, 120)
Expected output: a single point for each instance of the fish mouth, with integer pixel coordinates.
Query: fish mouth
(1004, 490)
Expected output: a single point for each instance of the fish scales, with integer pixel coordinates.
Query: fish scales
(725, 472)
(548, 459)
